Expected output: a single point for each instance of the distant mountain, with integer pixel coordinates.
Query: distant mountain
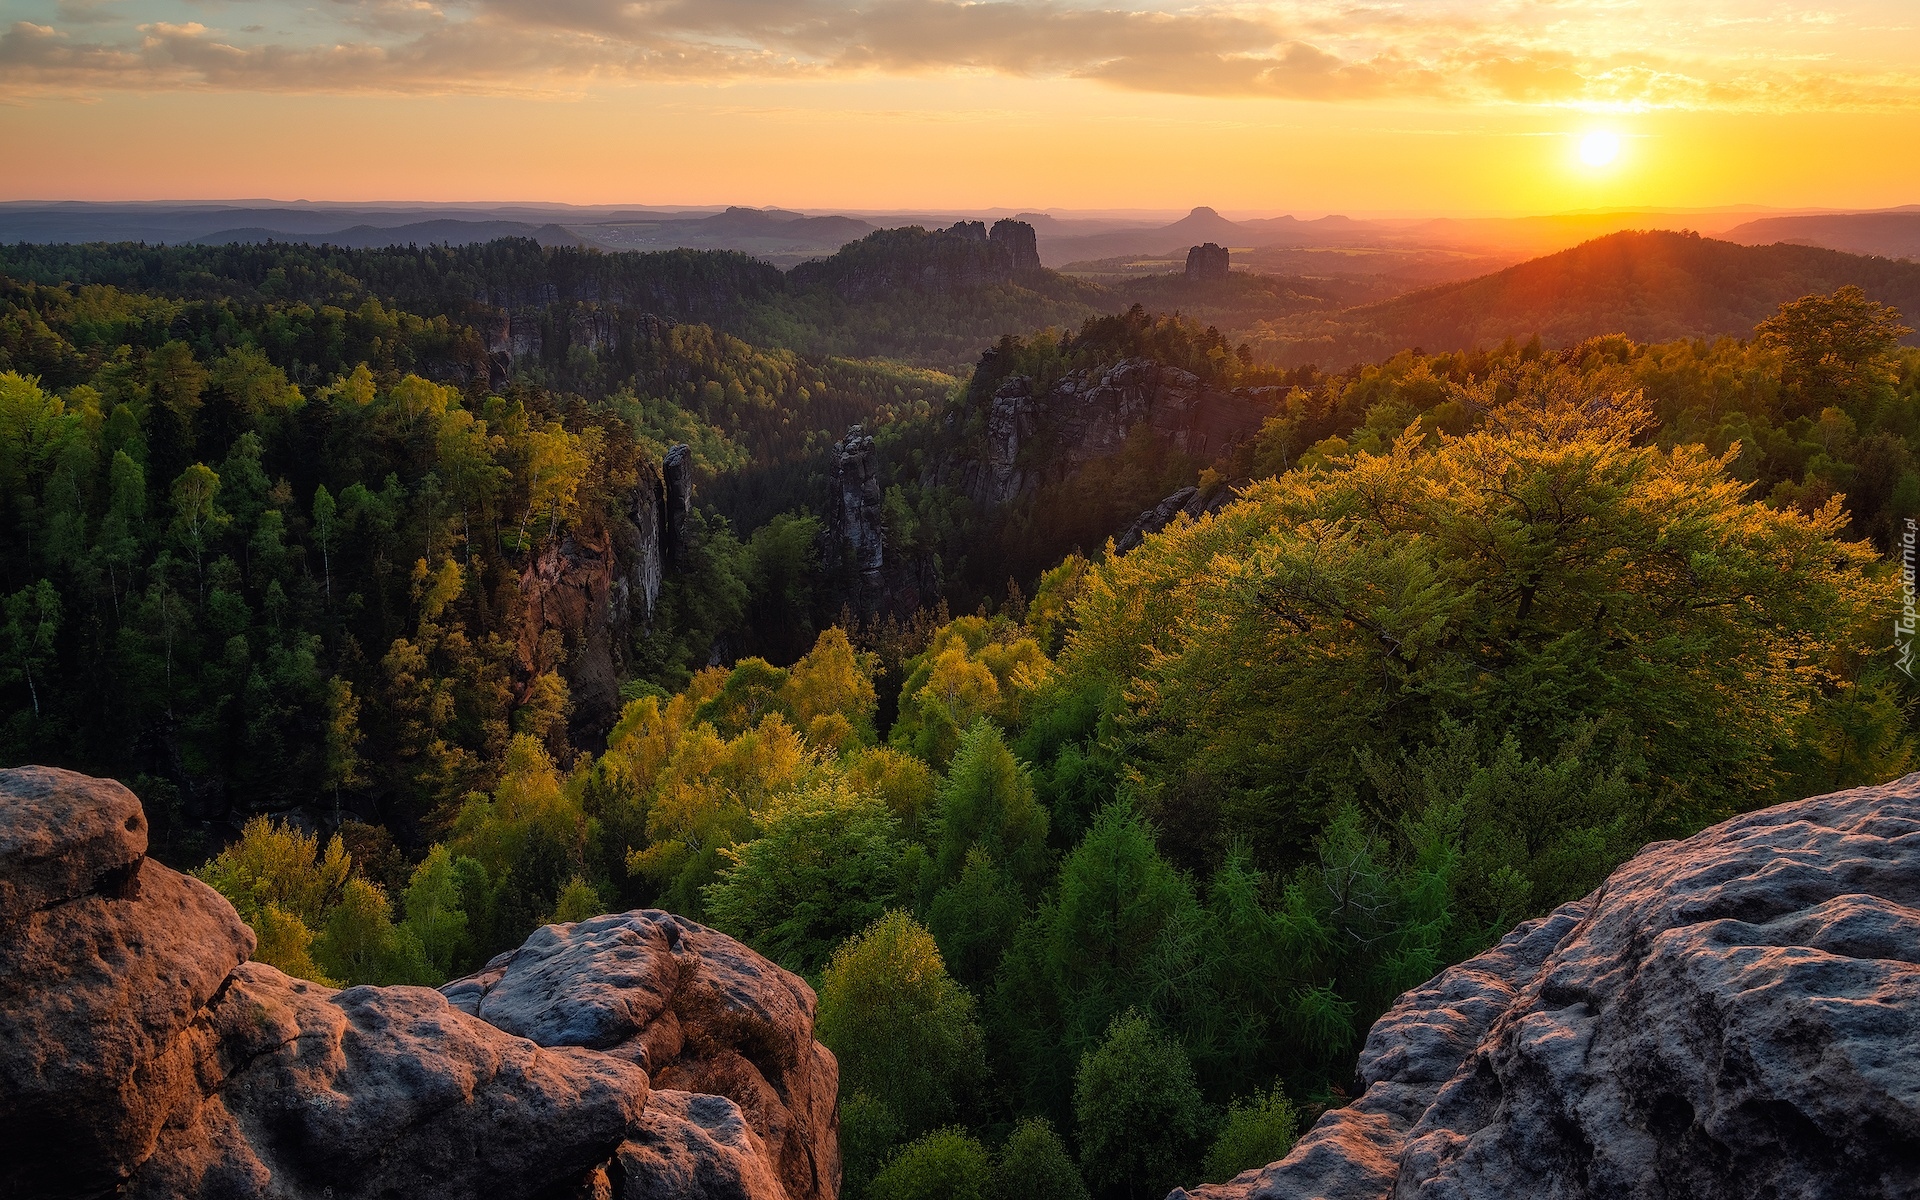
(1200, 225)
(1650, 286)
(420, 233)
(1891, 234)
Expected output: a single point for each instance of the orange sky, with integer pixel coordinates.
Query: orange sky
(1412, 107)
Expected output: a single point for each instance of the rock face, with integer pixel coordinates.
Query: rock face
(1732, 1016)
(966, 255)
(1208, 261)
(142, 1055)
(1034, 439)
(875, 577)
(1188, 501)
(582, 595)
(698, 1011)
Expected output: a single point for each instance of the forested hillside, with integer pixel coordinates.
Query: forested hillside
(1651, 286)
(427, 596)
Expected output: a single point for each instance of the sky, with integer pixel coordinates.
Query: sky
(1422, 106)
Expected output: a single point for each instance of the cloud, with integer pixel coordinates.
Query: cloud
(1533, 52)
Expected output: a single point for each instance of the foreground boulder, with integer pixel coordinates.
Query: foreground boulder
(1736, 1015)
(142, 1055)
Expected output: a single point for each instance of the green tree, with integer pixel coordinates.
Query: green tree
(197, 516)
(903, 1030)
(436, 913)
(1836, 349)
(1034, 1165)
(344, 766)
(825, 866)
(947, 1164)
(33, 625)
(1259, 1129)
(987, 801)
(1139, 1111)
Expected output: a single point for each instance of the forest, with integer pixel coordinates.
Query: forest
(1101, 864)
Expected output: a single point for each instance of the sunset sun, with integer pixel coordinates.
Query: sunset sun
(1600, 148)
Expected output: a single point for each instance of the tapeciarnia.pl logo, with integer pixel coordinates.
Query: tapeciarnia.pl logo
(1903, 626)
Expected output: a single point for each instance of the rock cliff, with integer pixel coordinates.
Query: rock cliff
(635, 1055)
(1209, 261)
(913, 259)
(875, 576)
(1035, 439)
(582, 594)
(1732, 1016)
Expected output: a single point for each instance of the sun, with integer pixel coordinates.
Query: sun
(1599, 148)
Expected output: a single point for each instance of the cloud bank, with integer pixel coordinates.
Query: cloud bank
(1576, 53)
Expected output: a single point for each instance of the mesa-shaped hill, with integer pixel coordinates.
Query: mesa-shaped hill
(1652, 286)
(1895, 233)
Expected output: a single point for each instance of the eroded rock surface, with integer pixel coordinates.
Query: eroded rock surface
(700, 1012)
(1728, 1017)
(142, 1055)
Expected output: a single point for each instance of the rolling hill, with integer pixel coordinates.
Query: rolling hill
(1651, 286)
(1893, 234)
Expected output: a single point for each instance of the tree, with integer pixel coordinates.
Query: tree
(904, 1032)
(344, 767)
(1540, 574)
(196, 515)
(947, 1164)
(825, 866)
(1259, 1130)
(832, 680)
(975, 918)
(987, 802)
(324, 532)
(33, 624)
(435, 911)
(1139, 1111)
(1034, 1165)
(1835, 349)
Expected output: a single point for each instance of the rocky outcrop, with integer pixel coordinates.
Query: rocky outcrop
(1732, 1016)
(874, 576)
(698, 1011)
(584, 593)
(966, 255)
(1208, 261)
(142, 1055)
(1035, 439)
(1188, 501)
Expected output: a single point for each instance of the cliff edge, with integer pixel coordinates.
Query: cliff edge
(636, 1055)
(1729, 1017)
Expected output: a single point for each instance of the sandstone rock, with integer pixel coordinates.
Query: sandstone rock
(386, 1092)
(1731, 1016)
(142, 1056)
(1188, 501)
(60, 834)
(695, 1147)
(97, 997)
(1208, 261)
(677, 491)
(1088, 415)
(701, 1012)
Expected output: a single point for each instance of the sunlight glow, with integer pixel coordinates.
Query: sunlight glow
(1599, 148)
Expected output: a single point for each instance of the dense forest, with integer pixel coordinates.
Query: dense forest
(1101, 881)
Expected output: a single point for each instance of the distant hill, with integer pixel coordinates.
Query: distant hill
(1651, 286)
(419, 233)
(1894, 234)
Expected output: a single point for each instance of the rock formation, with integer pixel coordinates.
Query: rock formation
(887, 261)
(1208, 261)
(1188, 501)
(142, 1055)
(1732, 1016)
(875, 577)
(582, 594)
(1032, 440)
